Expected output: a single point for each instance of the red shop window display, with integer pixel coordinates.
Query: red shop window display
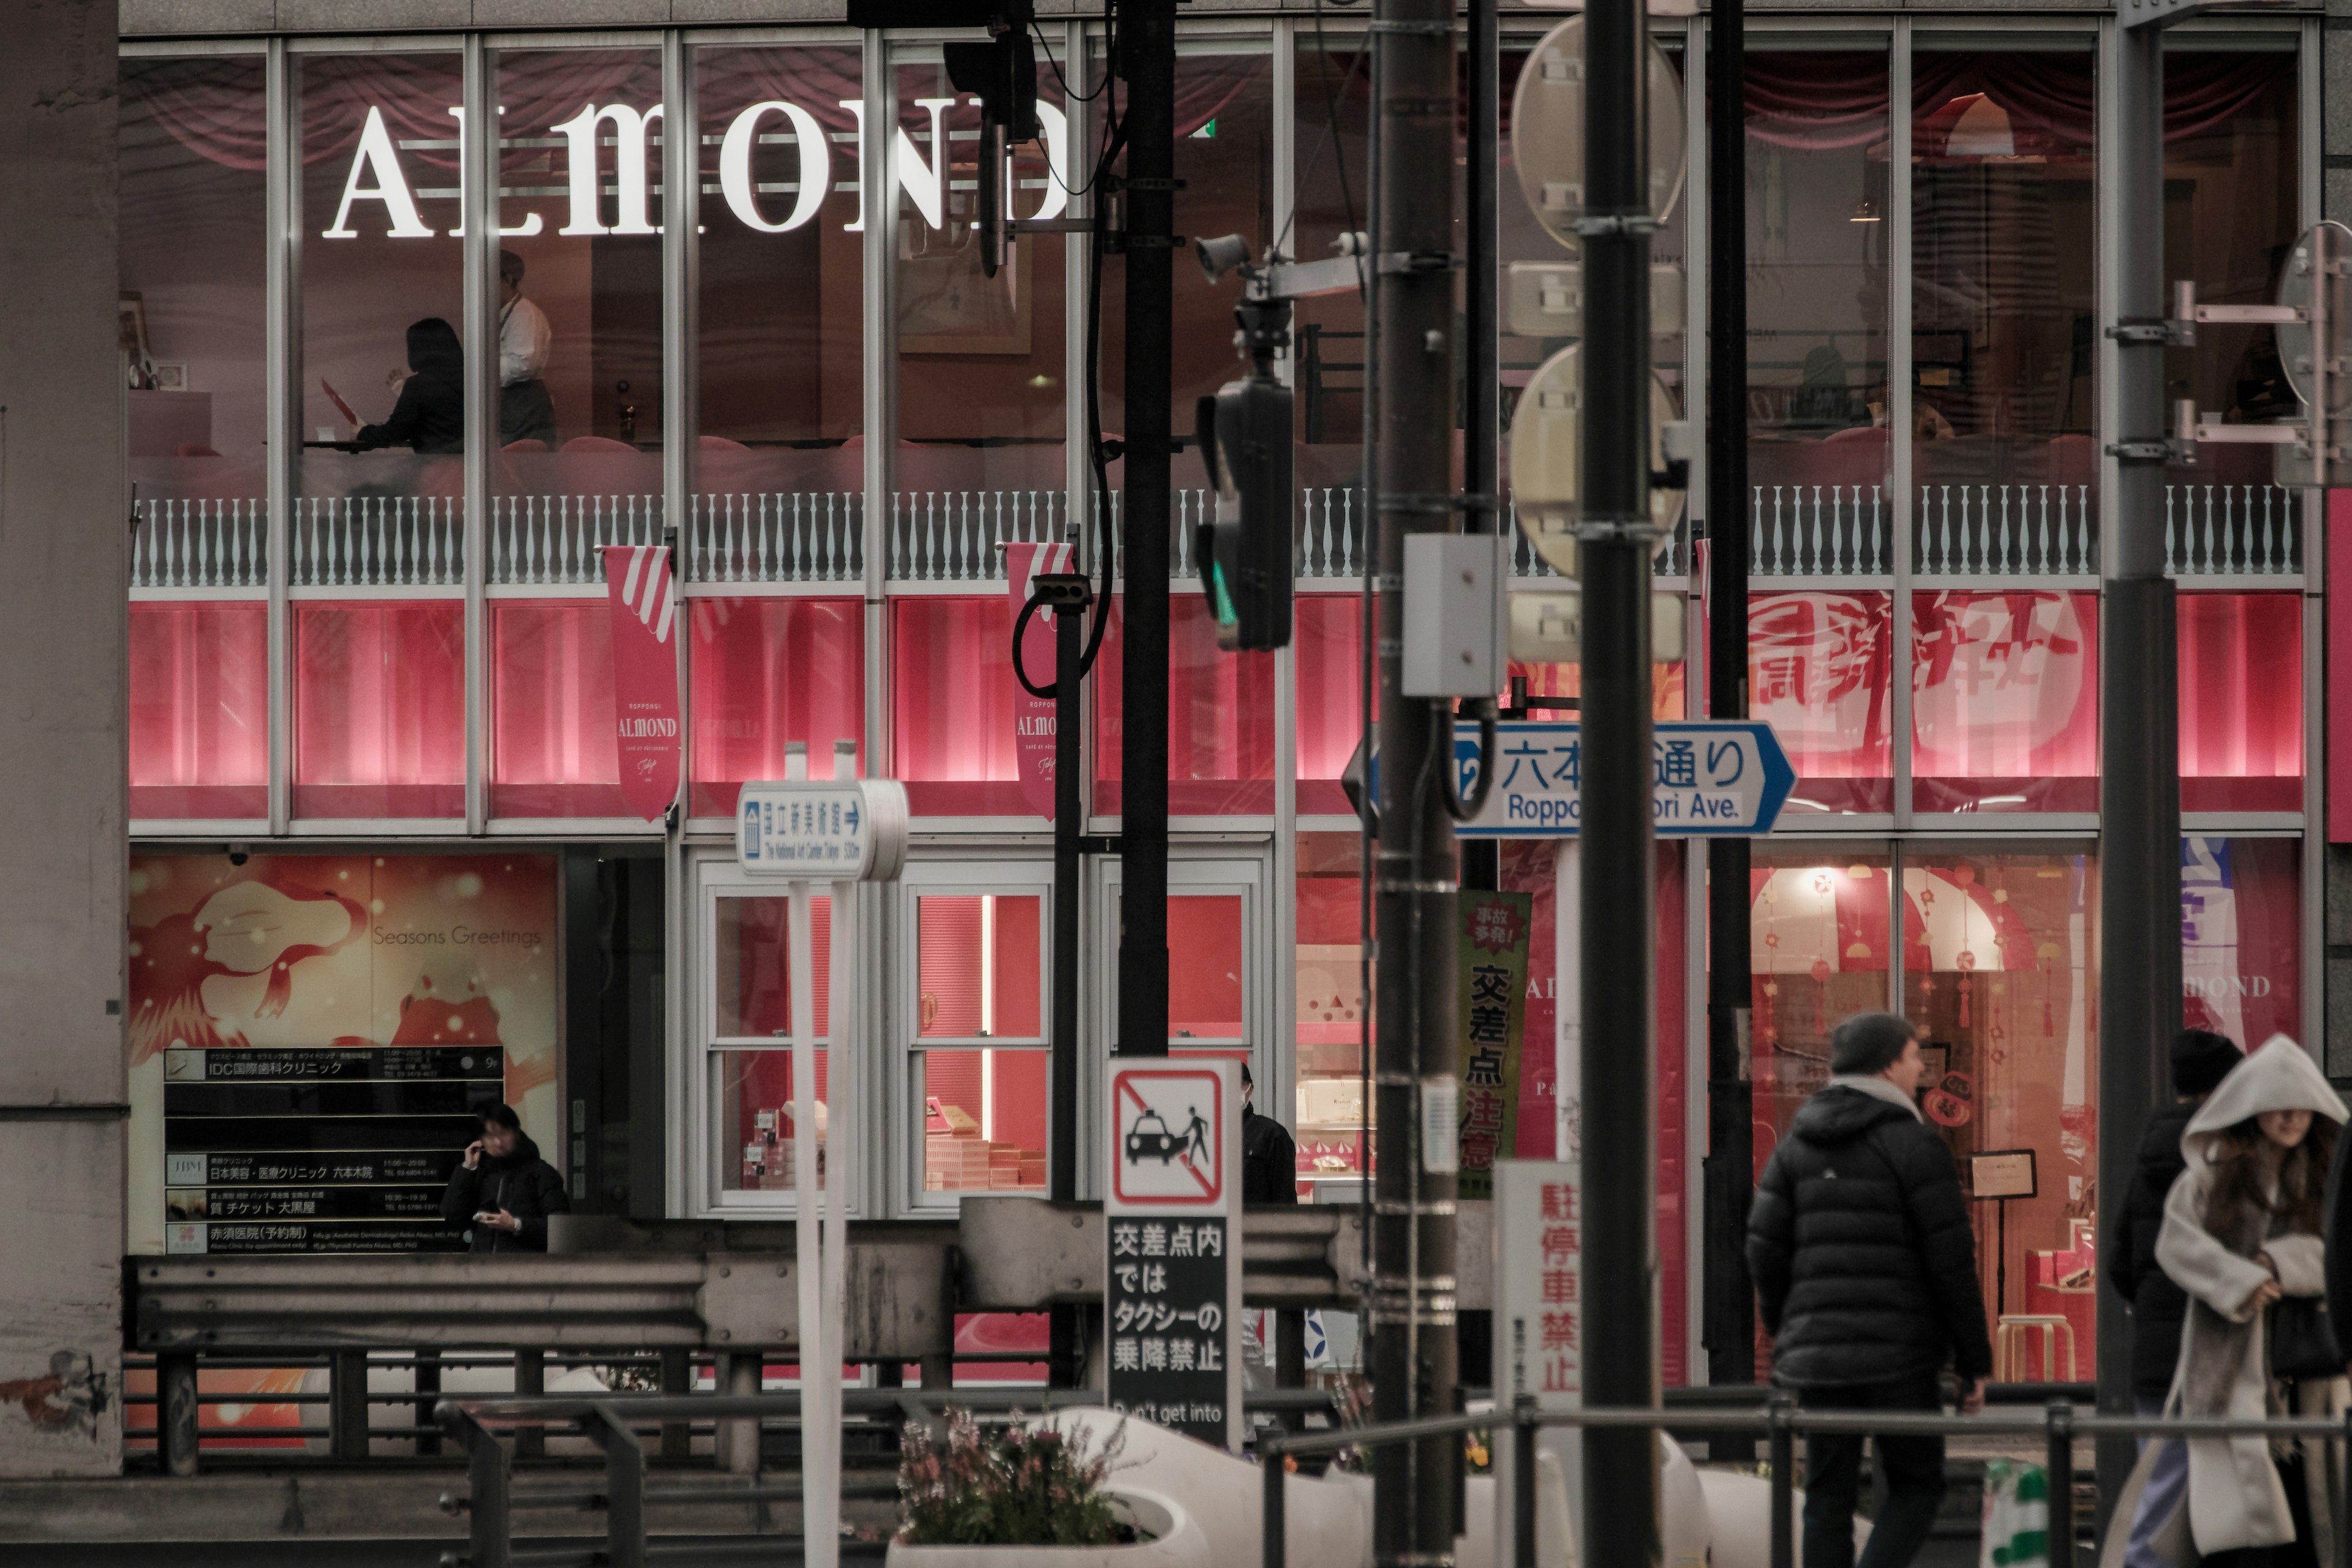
(200, 711)
(2241, 663)
(1820, 670)
(2241, 924)
(2004, 700)
(766, 671)
(1328, 658)
(380, 709)
(952, 706)
(551, 749)
(1220, 718)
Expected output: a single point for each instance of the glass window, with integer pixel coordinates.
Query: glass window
(2241, 948)
(1327, 644)
(551, 748)
(193, 227)
(778, 478)
(1820, 671)
(381, 500)
(2004, 701)
(2231, 209)
(579, 335)
(980, 973)
(2241, 663)
(2005, 316)
(200, 709)
(752, 998)
(757, 1126)
(1329, 996)
(951, 705)
(380, 709)
(2000, 972)
(1817, 351)
(752, 1005)
(1220, 718)
(766, 672)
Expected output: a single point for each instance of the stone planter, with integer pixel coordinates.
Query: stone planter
(1176, 1542)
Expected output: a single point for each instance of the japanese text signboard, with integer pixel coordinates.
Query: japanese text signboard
(1538, 1295)
(1173, 1285)
(820, 830)
(1493, 981)
(1713, 778)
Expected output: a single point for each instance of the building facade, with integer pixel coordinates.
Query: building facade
(381, 868)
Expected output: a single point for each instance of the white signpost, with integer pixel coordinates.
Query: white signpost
(839, 831)
(1173, 1289)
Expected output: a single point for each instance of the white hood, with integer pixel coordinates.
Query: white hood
(2279, 1076)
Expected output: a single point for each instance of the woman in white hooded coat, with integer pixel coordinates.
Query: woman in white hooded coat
(2242, 1227)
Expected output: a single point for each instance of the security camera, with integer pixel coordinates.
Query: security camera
(238, 854)
(1219, 257)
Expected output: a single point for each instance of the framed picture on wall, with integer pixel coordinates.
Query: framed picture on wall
(169, 375)
(1939, 1062)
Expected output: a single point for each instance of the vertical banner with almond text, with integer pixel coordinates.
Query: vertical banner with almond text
(1033, 717)
(646, 732)
(1493, 976)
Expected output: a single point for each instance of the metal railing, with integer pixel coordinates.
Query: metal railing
(2058, 1423)
(626, 1500)
(555, 539)
(200, 544)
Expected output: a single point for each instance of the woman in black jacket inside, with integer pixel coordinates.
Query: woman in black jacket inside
(430, 417)
(502, 1189)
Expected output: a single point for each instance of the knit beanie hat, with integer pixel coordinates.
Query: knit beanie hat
(2200, 1060)
(1869, 1043)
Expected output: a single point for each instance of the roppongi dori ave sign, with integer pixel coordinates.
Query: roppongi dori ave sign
(1711, 778)
(377, 186)
(1173, 1289)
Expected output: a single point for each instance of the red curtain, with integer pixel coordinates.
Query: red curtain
(1220, 718)
(952, 706)
(755, 992)
(380, 709)
(765, 671)
(200, 711)
(2240, 662)
(551, 751)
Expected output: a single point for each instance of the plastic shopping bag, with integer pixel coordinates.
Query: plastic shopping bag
(2016, 1515)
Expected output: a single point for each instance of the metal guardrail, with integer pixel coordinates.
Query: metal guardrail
(626, 1500)
(2059, 1422)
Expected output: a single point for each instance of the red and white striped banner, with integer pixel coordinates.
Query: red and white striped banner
(1033, 720)
(646, 732)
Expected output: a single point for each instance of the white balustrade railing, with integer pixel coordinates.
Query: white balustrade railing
(808, 537)
(951, 536)
(2234, 531)
(378, 542)
(200, 544)
(1819, 531)
(554, 539)
(2005, 530)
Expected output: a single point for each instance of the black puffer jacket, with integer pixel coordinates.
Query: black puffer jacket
(2128, 1250)
(1860, 1245)
(522, 1183)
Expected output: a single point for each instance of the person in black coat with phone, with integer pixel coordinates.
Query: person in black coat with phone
(1865, 1266)
(430, 416)
(502, 1189)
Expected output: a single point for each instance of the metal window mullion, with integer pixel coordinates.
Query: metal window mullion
(478, 186)
(2108, 279)
(681, 300)
(894, 1193)
(1697, 204)
(1897, 923)
(282, 106)
(1899, 374)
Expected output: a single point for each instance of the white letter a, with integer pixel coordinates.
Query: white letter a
(377, 154)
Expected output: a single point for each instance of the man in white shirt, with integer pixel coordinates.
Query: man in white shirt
(526, 412)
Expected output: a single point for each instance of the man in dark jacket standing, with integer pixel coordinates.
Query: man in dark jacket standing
(502, 1189)
(1865, 1266)
(1269, 1159)
(2200, 1060)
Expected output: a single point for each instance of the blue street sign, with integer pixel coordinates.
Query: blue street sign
(1714, 777)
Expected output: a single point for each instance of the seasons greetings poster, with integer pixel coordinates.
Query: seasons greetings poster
(310, 1036)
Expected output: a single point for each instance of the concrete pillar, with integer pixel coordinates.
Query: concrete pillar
(63, 640)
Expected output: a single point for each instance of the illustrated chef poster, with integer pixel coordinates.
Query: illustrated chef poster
(310, 1036)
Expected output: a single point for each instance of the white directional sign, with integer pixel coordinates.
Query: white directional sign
(822, 830)
(1714, 777)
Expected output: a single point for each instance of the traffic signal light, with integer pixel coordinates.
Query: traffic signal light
(1246, 554)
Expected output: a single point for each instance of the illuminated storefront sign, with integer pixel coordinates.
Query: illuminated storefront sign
(376, 175)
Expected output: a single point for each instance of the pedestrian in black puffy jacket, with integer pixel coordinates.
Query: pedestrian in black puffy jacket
(1865, 1266)
(501, 1190)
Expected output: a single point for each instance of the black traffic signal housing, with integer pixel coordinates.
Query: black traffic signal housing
(1246, 554)
(1002, 74)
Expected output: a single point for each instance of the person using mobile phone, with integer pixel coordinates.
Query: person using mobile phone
(501, 1190)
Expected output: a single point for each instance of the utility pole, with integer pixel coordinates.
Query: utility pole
(1617, 930)
(1147, 63)
(1729, 1310)
(1482, 342)
(2139, 782)
(1409, 461)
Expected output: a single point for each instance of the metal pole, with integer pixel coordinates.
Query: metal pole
(530, 1379)
(1523, 1484)
(1408, 457)
(1482, 858)
(625, 1489)
(1730, 1320)
(1147, 39)
(347, 1405)
(1617, 933)
(2061, 1483)
(2140, 788)
(1062, 1098)
(1784, 1481)
(1274, 1531)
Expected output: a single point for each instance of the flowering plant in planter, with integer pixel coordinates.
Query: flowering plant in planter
(1011, 1488)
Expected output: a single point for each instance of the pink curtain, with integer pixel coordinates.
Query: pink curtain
(765, 671)
(2004, 701)
(2240, 660)
(755, 992)
(200, 711)
(1220, 718)
(952, 706)
(551, 751)
(1331, 686)
(380, 709)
